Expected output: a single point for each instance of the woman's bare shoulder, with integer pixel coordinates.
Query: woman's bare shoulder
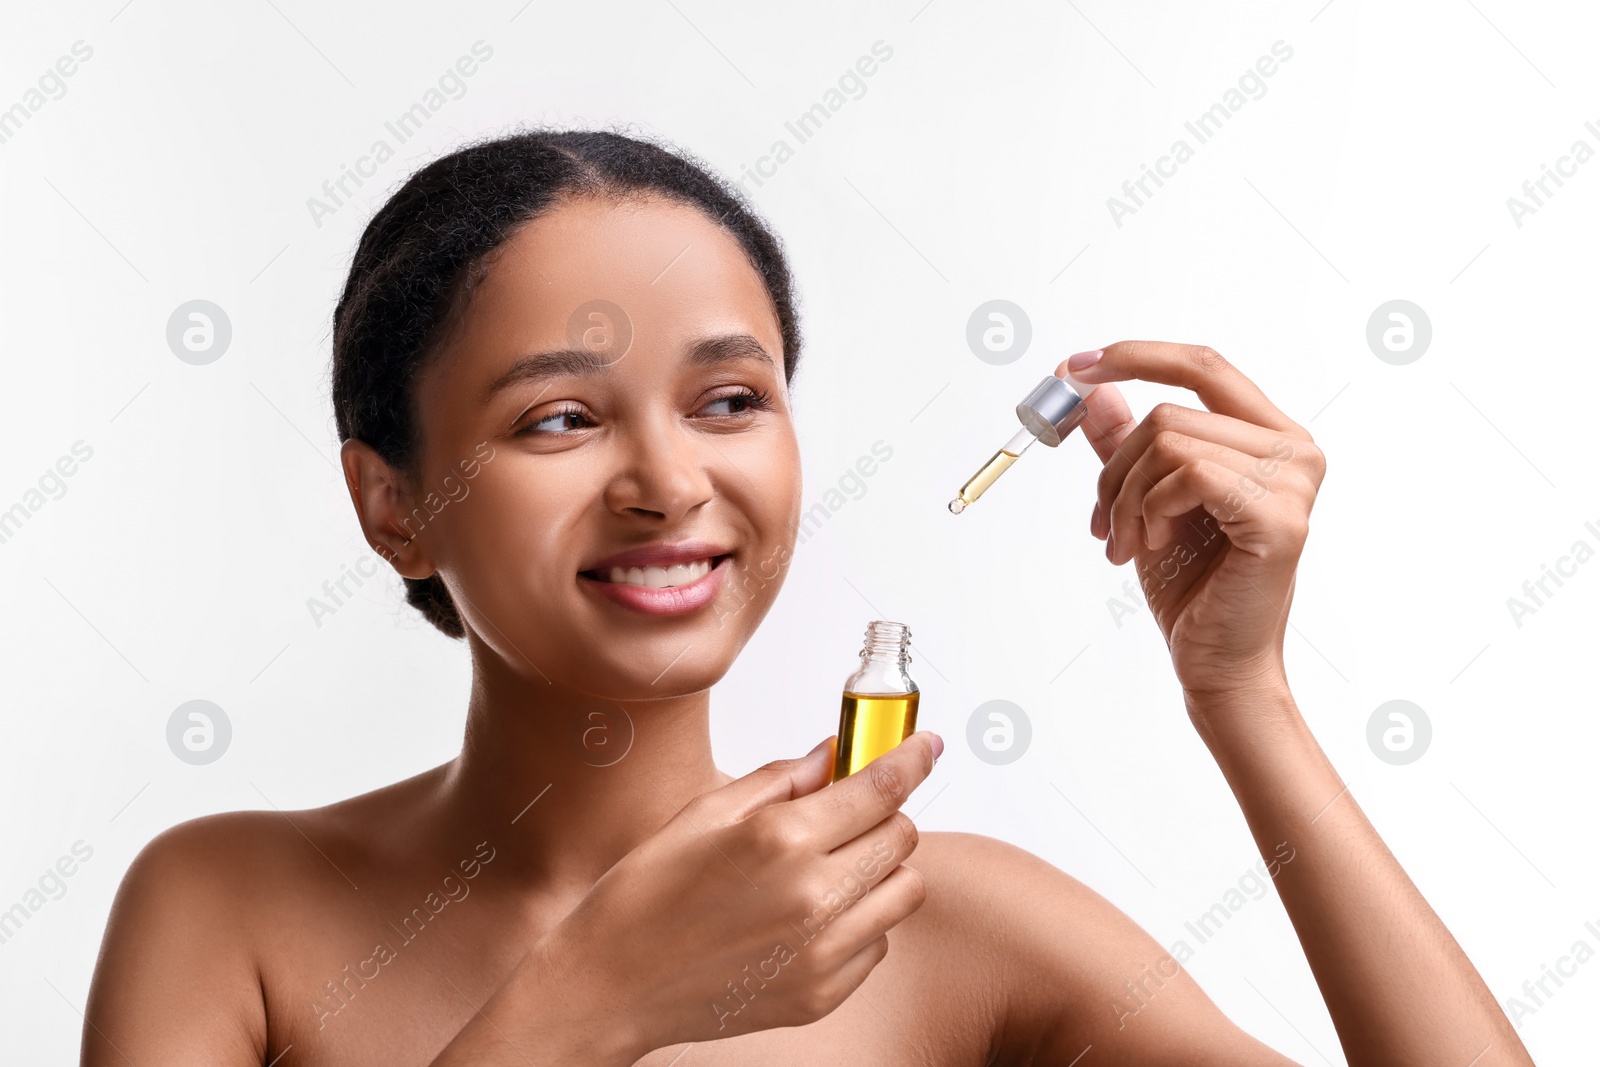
(1018, 906)
(1066, 968)
(225, 876)
(197, 906)
(993, 882)
(1030, 916)
(255, 851)
(182, 929)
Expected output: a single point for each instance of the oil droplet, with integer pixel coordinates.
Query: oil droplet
(957, 506)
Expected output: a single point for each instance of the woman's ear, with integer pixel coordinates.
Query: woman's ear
(384, 506)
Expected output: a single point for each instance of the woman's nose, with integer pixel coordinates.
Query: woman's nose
(662, 474)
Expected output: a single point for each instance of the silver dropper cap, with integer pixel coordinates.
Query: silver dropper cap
(1053, 409)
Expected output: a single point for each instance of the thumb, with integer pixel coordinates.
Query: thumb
(1107, 420)
(780, 780)
(813, 770)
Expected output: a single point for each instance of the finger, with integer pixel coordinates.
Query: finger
(1165, 419)
(859, 868)
(1106, 420)
(872, 856)
(1259, 524)
(1167, 453)
(865, 922)
(855, 804)
(774, 783)
(859, 966)
(1221, 386)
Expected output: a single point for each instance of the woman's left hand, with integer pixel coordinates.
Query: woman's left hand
(1211, 506)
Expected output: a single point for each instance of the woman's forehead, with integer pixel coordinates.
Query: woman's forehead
(650, 276)
(643, 244)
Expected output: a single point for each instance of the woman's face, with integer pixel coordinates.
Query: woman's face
(616, 387)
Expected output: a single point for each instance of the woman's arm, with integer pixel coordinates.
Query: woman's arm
(1398, 987)
(1213, 509)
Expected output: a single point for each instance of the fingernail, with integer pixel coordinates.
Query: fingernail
(938, 747)
(1082, 360)
(1111, 547)
(820, 746)
(1094, 520)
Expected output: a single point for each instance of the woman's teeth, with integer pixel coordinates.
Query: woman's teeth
(661, 577)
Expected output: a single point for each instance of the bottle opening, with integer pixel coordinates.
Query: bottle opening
(889, 640)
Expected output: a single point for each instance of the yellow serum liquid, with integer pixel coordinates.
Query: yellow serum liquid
(870, 724)
(997, 465)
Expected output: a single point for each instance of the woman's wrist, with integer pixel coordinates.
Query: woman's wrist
(549, 1013)
(581, 1003)
(1255, 703)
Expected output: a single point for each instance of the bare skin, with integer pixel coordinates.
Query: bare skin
(541, 899)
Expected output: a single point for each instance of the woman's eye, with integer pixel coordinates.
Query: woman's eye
(739, 403)
(735, 404)
(558, 423)
(555, 422)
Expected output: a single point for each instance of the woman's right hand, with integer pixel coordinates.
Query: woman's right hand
(761, 904)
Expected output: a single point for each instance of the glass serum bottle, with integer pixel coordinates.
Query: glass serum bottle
(879, 707)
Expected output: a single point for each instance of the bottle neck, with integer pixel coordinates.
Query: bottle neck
(887, 643)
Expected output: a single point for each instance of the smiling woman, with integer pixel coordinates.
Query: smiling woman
(615, 557)
(427, 253)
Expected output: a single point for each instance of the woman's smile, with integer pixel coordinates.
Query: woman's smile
(660, 579)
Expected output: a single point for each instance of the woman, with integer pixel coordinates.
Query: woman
(561, 371)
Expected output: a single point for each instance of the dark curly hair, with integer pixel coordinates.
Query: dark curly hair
(427, 248)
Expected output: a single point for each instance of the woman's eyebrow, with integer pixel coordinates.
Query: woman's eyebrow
(710, 351)
(578, 362)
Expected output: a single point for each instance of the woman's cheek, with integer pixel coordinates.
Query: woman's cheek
(507, 538)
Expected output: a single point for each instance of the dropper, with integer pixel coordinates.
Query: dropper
(1051, 411)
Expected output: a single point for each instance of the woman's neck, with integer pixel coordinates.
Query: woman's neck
(573, 781)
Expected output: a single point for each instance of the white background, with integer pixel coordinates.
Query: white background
(178, 163)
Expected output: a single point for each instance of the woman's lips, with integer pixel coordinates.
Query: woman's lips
(670, 600)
